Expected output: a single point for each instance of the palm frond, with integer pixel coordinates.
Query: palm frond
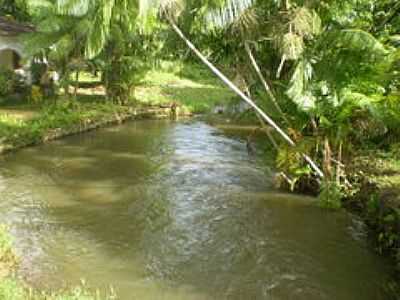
(229, 13)
(355, 40)
(100, 29)
(73, 7)
(291, 46)
(305, 22)
(247, 24)
(299, 90)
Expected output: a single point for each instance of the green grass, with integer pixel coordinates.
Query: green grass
(189, 85)
(65, 115)
(382, 167)
(12, 289)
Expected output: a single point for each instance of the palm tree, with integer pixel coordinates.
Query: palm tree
(89, 29)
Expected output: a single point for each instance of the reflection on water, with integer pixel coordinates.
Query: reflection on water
(165, 210)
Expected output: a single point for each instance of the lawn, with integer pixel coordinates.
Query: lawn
(189, 85)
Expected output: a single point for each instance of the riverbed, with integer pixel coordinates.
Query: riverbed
(177, 210)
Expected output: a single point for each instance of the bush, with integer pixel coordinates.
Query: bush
(36, 96)
(37, 71)
(7, 82)
(331, 195)
(11, 82)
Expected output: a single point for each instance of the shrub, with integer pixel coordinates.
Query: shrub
(331, 195)
(36, 96)
(37, 71)
(7, 82)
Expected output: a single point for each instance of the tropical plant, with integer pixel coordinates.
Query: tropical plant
(16, 9)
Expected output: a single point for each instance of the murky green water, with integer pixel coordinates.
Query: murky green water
(165, 210)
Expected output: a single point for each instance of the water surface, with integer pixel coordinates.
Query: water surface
(163, 210)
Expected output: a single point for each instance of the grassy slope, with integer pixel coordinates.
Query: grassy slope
(382, 168)
(378, 199)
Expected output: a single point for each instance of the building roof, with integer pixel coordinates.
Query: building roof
(10, 27)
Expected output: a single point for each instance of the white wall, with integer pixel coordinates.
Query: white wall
(11, 42)
(6, 59)
(6, 45)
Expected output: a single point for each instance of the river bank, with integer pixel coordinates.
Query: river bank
(71, 118)
(376, 199)
(174, 88)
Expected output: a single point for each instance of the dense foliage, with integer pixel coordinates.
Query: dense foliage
(16, 9)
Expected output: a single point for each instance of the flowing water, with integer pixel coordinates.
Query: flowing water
(164, 210)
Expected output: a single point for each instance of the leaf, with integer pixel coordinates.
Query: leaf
(298, 88)
(292, 46)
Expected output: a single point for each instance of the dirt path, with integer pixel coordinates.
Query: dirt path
(22, 114)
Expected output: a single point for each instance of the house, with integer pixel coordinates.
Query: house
(12, 52)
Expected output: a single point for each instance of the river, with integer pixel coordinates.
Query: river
(177, 210)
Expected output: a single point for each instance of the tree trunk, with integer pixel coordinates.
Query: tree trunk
(243, 96)
(76, 84)
(327, 164)
(264, 82)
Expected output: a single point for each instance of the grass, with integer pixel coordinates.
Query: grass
(381, 167)
(189, 85)
(186, 84)
(15, 132)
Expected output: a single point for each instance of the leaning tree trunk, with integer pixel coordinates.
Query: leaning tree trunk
(234, 88)
(264, 82)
